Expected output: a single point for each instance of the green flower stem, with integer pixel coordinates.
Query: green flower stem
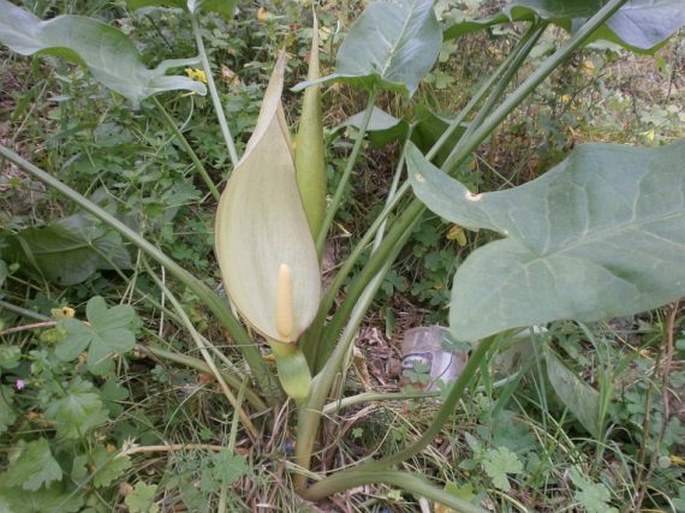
(310, 413)
(361, 307)
(504, 75)
(511, 62)
(367, 397)
(413, 483)
(363, 288)
(310, 342)
(347, 172)
(171, 123)
(217, 305)
(319, 352)
(221, 116)
(194, 363)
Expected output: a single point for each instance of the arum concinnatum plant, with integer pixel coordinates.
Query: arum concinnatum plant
(264, 245)
(599, 235)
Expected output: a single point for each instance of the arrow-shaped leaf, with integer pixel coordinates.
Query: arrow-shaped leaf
(639, 25)
(600, 235)
(393, 44)
(109, 55)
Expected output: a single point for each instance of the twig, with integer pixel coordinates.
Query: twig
(665, 378)
(28, 327)
(171, 448)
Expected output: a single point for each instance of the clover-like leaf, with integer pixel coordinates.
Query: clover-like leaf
(500, 462)
(109, 55)
(594, 497)
(106, 332)
(142, 498)
(264, 247)
(78, 411)
(228, 467)
(601, 235)
(107, 467)
(34, 468)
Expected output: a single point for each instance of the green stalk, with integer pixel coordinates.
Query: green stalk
(310, 414)
(502, 77)
(504, 73)
(221, 116)
(311, 340)
(351, 161)
(376, 230)
(528, 86)
(24, 311)
(367, 397)
(217, 305)
(171, 123)
(415, 484)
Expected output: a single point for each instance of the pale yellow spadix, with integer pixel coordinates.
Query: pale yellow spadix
(285, 318)
(261, 226)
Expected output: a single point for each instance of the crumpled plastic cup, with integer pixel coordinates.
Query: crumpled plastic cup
(424, 361)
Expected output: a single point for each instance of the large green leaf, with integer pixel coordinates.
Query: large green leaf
(78, 411)
(392, 45)
(261, 226)
(109, 55)
(67, 251)
(640, 25)
(600, 235)
(34, 468)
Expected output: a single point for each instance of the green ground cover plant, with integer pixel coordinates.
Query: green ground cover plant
(253, 345)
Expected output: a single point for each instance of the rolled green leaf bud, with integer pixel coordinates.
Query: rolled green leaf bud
(309, 146)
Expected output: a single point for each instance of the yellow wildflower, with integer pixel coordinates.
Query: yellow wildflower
(261, 15)
(196, 74)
